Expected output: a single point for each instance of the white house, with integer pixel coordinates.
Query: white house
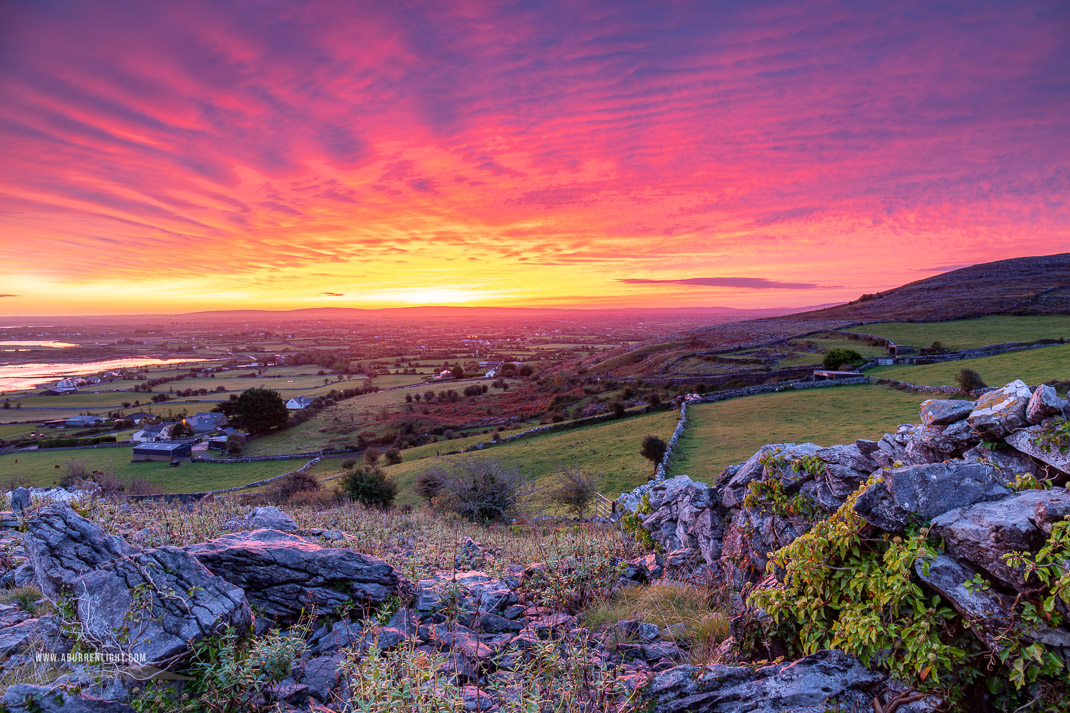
(151, 434)
(298, 402)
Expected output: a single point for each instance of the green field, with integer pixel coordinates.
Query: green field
(1033, 366)
(611, 448)
(727, 432)
(40, 468)
(972, 333)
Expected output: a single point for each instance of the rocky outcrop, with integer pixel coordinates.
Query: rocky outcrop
(944, 412)
(685, 515)
(983, 533)
(820, 682)
(150, 603)
(264, 518)
(923, 492)
(283, 574)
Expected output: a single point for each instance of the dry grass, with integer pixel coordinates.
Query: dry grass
(695, 617)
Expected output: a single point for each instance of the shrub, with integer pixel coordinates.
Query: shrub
(392, 456)
(574, 488)
(429, 484)
(969, 380)
(478, 489)
(369, 485)
(653, 449)
(284, 488)
(839, 357)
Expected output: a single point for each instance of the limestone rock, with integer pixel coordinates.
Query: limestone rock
(20, 500)
(1044, 404)
(283, 574)
(270, 518)
(685, 514)
(1010, 462)
(1028, 441)
(922, 492)
(824, 680)
(163, 597)
(943, 412)
(846, 467)
(988, 609)
(1002, 411)
(62, 545)
(472, 591)
(982, 533)
(777, 460)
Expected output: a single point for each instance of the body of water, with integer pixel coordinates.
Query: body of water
(19, 377)
(21, 343)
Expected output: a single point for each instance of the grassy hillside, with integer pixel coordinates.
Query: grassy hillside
(1034, 366)
(611, 448)
(40, 467)
(973, 333)
(727, 432)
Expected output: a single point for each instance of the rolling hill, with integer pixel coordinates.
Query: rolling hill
(1028, 285)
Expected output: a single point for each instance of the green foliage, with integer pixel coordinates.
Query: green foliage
(259, 410)
(842, 589)
(1055, 436)
(228, 674)
(838, 357)
(632, 524)
(369, 485)
(1037, 668)
(768, 494)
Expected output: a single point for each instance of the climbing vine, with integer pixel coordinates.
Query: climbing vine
(842, 588)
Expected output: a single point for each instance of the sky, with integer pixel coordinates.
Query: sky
(179, 156)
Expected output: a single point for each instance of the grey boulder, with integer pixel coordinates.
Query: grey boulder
(1029, 441)
(270, 518)
(1002, 411)
(153, 604)
(1044, 404)
(943, 412)
(283, 574)
(814, 684)
(987, 609)
(922, 492)
(983, 533)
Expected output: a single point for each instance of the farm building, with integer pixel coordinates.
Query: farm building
(298, 402)
(206, 422)
(150, 434)
(162, 452)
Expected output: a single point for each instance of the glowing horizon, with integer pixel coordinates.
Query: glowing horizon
(177, 157)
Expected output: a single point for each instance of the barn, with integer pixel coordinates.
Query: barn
(162, 451)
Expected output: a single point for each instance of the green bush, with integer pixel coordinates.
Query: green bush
(369, 485)
(839, 357)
